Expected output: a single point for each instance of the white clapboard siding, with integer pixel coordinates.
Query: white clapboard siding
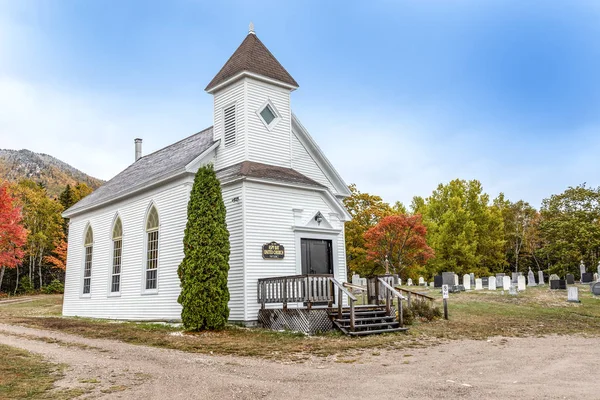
(303, 162)
(132, 302)
(233, 94)
(264, 145)
(235, 226)
(270, 217)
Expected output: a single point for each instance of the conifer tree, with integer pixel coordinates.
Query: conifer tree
(205, 266)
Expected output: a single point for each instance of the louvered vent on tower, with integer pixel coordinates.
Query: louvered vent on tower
(229, 126)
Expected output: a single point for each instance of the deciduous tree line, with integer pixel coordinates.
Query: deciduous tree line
(33, 246)
(459, 228)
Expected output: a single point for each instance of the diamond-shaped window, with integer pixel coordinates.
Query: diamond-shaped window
(268, 114)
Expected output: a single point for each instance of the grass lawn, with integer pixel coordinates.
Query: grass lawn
(26, 376)
(473, 315)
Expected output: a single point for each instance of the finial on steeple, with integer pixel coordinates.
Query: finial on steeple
(251, 28)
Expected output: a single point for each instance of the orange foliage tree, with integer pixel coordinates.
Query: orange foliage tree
(13, 235)
(396, 243)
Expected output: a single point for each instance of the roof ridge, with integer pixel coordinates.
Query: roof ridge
(177, 142)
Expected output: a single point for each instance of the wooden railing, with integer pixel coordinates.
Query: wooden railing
(390, 292)
(307, 289)
(418, 296)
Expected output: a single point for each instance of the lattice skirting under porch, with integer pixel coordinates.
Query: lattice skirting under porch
(310, 321)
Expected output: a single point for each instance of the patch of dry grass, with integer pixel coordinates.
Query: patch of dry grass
(27, 376)
(473, 315)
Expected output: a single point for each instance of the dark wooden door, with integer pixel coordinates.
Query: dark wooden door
(316, 257)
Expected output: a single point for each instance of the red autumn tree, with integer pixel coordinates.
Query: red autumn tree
(58, 258)
(12, 233)
(397, 242)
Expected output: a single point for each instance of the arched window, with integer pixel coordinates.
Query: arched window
(117, 238)
(88, 244)
(152, 249)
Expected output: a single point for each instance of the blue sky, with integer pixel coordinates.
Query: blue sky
(400, 95)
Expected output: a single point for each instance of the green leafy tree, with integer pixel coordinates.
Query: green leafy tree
(465, 232)
(205, 266)
(570, 229)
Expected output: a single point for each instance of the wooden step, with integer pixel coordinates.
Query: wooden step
(374, 325)
(374, 332)
(359, 313)
(385, 317)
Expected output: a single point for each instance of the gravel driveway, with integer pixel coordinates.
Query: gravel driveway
(507, 368)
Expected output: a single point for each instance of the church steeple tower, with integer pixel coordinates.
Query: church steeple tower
(252, 114)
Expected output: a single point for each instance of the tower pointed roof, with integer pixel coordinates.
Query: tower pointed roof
(254, 57)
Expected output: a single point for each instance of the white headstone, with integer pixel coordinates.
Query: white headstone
(596, 277)
(582, 268)
(431, 284)
(478, 284)
(573, 294)
(505, 282)
(356, 279)
(598, 267)
(554, 277)
(409, 282)
(521, 285)
(456, 283)
(512, 289)
(399, 281)
(422, 281)
(492, 283)
(531, 278)
(541, 278)
(467, 281)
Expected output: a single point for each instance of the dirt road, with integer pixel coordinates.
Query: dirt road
(512, 368)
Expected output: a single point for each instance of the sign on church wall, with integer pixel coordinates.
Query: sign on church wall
(273, 250)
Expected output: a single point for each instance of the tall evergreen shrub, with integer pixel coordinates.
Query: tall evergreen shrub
(205, 266)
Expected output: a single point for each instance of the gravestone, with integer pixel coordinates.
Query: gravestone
(554, 277)
(409, 282)
(531, 278)
(356, 279)
(554, 284)
(595, 277)
(456, 282)
(478, 284)
(598, 267)
(587, 277)
(396, 279)
(512, 289)
(562, 284)
(438, 281)
(582, 269)
(595, 288)
(573, 294)
(363, 281)
(492, 283)
(515, 277)
(541, 278)
(422, 281)
(485, 281)
(521, 283)
(467, 281)
(570, 279)
(505, 282)
(431, 284)
(499, 278)
(472, 276)
(448, 278)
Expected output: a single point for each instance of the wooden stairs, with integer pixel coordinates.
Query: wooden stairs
(368, 320)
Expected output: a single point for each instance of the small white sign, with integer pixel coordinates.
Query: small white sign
(445, 292)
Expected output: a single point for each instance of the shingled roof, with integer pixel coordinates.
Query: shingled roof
(252, 56)
(263, 171)
(149, 169)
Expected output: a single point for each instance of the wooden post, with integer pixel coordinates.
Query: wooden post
(408, 298)
(388, 306)
(263, 294)
(400, 312)
(285, 290)
(339, 300)
(351, 315)
(445, 308)
(309, 292)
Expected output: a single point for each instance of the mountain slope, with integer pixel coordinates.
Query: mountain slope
(53, 173)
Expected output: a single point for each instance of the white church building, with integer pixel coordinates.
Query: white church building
(285, 214)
